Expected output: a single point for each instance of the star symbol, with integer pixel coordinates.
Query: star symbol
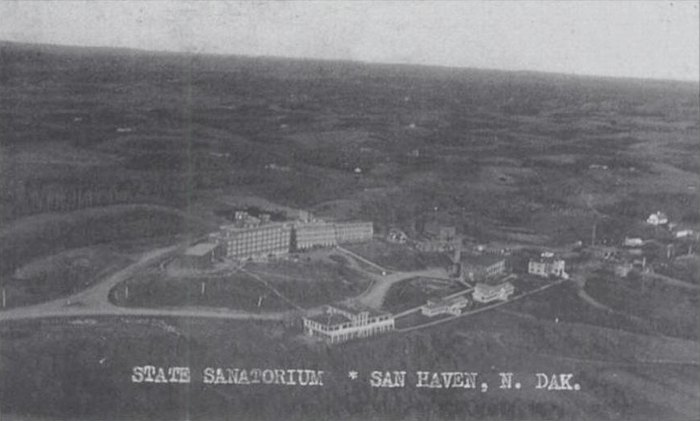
(352, 375)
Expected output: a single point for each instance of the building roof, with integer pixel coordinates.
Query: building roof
(659, 215)
(200, 249)
(482, 260)
(546, 257)
(235, 228)
(314, 226)
(482, 286)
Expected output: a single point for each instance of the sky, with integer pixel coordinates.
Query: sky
(642, 39)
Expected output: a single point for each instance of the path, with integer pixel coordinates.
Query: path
(671, 281)
(481, 309)
(374, 295)
(362, 259)
(94, 301)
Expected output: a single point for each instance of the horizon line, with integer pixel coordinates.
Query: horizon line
(348, 60)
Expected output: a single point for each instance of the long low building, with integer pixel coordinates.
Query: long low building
(492, 291)
(453, 306)
(340, 323)
(326, 234)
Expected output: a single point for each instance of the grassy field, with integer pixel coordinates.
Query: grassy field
(314, 283)
(397, 256)
(52, 255)
(649, 300)
(239, 291)
(62, 274)
(306, 284)
(415, 292)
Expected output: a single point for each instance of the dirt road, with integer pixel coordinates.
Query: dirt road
(94, 301)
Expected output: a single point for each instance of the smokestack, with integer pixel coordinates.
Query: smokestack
(458, 251)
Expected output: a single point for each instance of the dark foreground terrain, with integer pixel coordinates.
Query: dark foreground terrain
(106, 154)
(83, 369)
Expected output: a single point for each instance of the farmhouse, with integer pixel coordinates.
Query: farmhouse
(492, 291)
(340, 323)
(658, 218)
(684, 233)
(396, 236)
(633, 242)
(451, 306)
(548, 264)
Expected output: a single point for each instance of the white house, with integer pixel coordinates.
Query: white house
(684, 233)
(658, 218)
(633, 242)
(546, 265)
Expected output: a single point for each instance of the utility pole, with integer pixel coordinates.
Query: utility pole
(126, 293)
(201, 292)
(4, 298)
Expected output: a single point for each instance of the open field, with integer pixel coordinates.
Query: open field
(255, 288)
(62, 274)
(414, 292)
(50, 255)
(647, 299)
(239, 291)
(397, 256)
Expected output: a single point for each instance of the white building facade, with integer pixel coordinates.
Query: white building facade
(547, 265)
(340, 323)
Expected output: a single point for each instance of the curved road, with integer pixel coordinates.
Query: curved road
(94, 301)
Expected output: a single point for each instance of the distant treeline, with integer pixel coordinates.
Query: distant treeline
(33, 196)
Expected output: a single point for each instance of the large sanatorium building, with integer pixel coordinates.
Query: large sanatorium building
(252, 238)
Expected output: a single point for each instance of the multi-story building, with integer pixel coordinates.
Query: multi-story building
(310, 235)
(481, 266)
(487, 292)
(548, 264)
(340, 323)
(350, 232)
(451, 306)
(254, 242)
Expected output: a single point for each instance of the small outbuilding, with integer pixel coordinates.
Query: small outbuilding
(200, 256)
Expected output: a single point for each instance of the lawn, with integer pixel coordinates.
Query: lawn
(397, 256)
(415, 292)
